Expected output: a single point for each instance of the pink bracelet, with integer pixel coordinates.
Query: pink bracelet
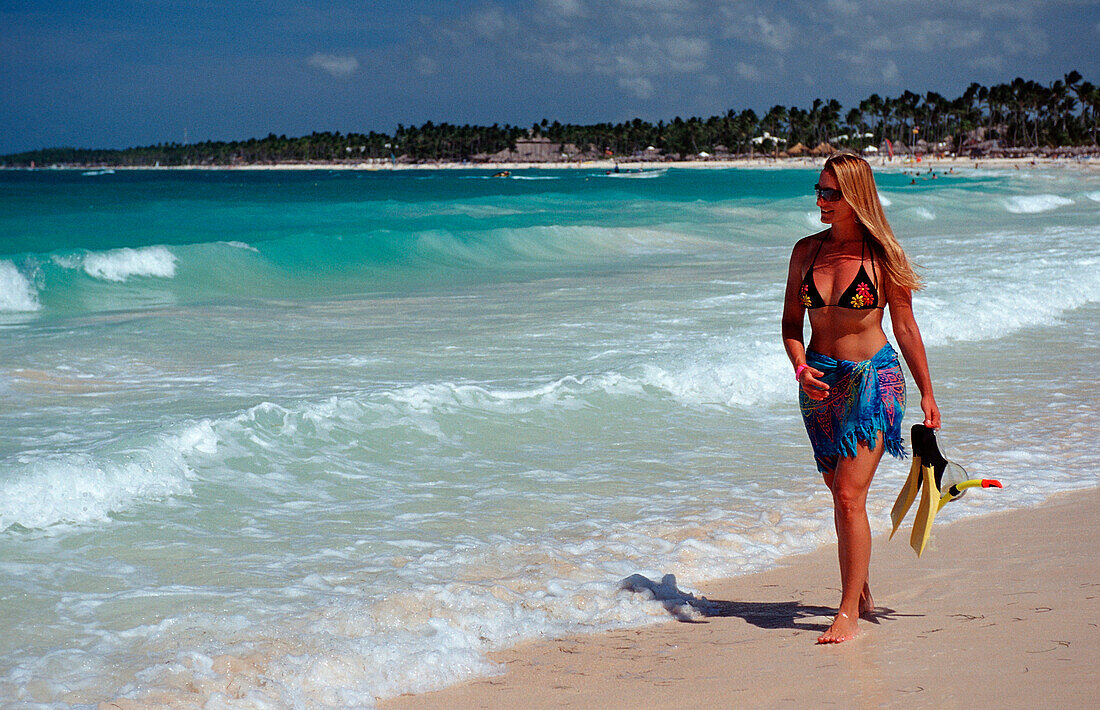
(798, 371)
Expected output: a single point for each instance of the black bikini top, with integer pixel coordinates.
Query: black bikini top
(861, 294)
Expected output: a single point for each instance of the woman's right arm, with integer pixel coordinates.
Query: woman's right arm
(794, 318)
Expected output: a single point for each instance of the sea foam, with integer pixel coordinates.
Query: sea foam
(1003, 293)
(121, 264)
(86, 488)
(16, 292)
(1033, 204)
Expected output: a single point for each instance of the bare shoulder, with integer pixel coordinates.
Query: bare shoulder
(806, 246)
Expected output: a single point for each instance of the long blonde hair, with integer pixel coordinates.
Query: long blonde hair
(857, 183)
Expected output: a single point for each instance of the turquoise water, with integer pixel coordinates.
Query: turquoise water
(310, 439)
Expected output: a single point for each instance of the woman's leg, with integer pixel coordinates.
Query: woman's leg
(849, 485)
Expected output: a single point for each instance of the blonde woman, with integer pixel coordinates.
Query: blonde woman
(852, 390)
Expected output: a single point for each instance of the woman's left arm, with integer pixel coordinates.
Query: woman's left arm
(900, 301)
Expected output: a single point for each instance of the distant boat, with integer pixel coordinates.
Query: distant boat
(640, 173)
(104, 171)
(502, 173)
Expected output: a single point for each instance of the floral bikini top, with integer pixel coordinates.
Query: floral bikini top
(860, 295)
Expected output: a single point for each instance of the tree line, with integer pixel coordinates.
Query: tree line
(1021, 115)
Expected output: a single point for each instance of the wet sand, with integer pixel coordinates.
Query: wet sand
(1001, 611)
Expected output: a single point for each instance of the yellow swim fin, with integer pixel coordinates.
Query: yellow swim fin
(926, 510)
(924, 453)
(907, 495)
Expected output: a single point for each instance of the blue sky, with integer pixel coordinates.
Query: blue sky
(117, 74)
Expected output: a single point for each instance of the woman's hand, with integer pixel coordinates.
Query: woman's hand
(814, 388)
(931, 411)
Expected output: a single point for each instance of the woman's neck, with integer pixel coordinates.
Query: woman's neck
(846, 233)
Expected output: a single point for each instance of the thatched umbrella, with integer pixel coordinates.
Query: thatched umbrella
(796, 150)
(823, 148)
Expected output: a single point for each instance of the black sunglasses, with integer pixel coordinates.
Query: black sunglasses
(828, 194)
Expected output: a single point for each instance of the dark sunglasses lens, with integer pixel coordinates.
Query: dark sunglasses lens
(827, 194)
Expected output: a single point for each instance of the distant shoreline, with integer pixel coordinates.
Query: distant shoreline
(1089, 163)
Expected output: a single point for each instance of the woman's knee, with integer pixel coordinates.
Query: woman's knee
(849, 502)
(850, 495)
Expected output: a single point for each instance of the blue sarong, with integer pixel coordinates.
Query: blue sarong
(864, 398)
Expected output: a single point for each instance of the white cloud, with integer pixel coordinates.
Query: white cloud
(686, 54)
(635, 64)
(662, 15)
(649, 56)
(334, 64)
(774, 34)
(987, 62)
(843, 7)
(656, 5)
(890, 73)
(749, 72)
(881, 43)
(931, 35)
(568, 56)
(870, 70)
(638, 86)
(1031, 42)
(426, 66)
(743, 20)
(938, 34)
(563, 8)
(493, 24)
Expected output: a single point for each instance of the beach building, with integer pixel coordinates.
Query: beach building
(534, 149)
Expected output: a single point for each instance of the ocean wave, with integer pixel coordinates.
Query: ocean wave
(303, 266)
(17, 294)
(120, 264)
(726, 373)
(1033, 204)
(1094, 196)
(1000, 290)
(241, 245)
(88, 488)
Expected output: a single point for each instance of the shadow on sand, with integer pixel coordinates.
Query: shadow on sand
(686, 607)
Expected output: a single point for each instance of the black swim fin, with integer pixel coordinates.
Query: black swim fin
(925, 453)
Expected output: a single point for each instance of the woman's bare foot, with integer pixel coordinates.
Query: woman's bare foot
(866, 603)
(843, 629)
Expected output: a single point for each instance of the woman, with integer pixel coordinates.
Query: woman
(852, 392)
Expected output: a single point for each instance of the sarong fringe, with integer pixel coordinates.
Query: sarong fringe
(895, 445)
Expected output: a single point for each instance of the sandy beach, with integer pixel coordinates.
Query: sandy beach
(1001, 611)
